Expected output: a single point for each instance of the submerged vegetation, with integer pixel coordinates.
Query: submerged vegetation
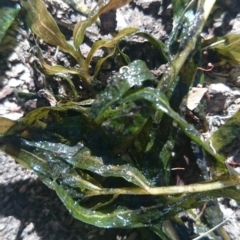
(110, 157)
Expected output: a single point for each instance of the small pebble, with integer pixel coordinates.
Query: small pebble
(2, 226)
(13, 82)
(233, 203)
(28, 229)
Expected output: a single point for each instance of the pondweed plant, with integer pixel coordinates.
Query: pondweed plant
(109, 160)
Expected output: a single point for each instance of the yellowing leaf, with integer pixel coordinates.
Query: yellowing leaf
(6, 124)
(79, 32)
(112, 5)
(57, 69)
(45, 27)
(80, 28)
(108, 43)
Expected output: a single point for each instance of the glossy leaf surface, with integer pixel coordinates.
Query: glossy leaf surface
(8, 12)
(72, 151)
(183, 39)
(109, 158)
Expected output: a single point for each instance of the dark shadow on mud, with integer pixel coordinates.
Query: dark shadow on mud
(30, 201)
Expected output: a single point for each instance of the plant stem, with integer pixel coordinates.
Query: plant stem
(171, 190)
(179, 59)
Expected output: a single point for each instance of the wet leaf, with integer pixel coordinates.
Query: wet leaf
(183, 40)
(107, 159)
(47, 160)
(180, 7)
(72, 151)
(160, 103)
(132, 75)
(8, 12)
(183, 17)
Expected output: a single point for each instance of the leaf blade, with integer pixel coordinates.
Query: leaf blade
(8, 13)
(44, 26)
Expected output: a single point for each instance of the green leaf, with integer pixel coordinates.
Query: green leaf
(59, 69)
(126, 122)
(227, 47)
(33, 119)
(71, 185)
(225, 139)
(183, 18)
(183, 40)
(8, 12)
(72, 151)
(160, 103)
(132, 75)
(108, 159)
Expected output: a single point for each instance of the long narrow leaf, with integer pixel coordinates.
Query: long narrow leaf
(227, 47)
(8, 12)
(108, 43)
(44, 26)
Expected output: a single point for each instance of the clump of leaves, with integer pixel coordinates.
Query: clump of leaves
(109, 158)
(47, 29)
